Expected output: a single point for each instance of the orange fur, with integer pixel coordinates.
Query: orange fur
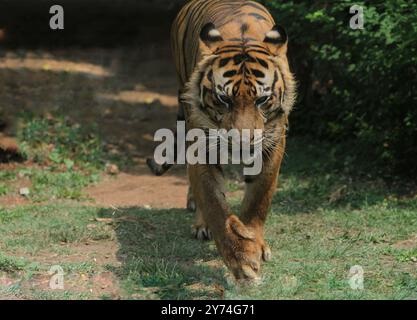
(225, 75)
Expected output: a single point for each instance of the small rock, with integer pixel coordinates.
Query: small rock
(24, 192)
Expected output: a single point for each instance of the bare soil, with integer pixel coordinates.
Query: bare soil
(129, 93)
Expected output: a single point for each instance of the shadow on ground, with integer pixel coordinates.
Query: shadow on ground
(160, 259)
(128, 101)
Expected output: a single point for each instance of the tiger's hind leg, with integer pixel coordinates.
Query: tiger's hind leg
(191, 206)
(161, 169)
(199, 229)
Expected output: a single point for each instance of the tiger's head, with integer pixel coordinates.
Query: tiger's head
(241, 84)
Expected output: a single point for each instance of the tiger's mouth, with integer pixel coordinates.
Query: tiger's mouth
(244, 150)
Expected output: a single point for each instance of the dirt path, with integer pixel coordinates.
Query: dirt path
(132, 117)
(129, 93)
(128, 190)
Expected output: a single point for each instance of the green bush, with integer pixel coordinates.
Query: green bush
(356, 87)
(57, 141)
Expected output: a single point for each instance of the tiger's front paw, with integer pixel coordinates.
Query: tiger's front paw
(243, 250)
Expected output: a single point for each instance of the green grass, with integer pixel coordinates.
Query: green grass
(4, 189)
(48, 184)
(66, 158)
(65, 295)
(33, 228)
(5, 178)
(60, 143)
(158, 253)
(323, 221)
(317, 250)
(11, 264)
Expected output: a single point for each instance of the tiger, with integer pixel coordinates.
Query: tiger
(233, 73)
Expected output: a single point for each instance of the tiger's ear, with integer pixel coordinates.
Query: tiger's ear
(210, 37)
(277, 40)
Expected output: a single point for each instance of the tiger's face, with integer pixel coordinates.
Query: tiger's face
(242, 88)
(244, 85)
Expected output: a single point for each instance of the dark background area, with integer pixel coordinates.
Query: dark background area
(356, 87)
(87, 23)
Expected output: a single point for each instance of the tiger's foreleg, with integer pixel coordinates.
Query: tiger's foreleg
(258, 196)
(237, 243)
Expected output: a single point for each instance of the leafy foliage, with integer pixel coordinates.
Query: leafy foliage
(66, 156)
(356, 87)
(57, 141)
